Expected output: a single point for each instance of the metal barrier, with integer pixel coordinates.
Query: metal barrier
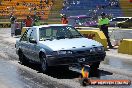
(5, 24)
(125, 47)
(95, 35)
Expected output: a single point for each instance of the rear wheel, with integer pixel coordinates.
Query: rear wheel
(44, 65)
(22, 58)
(120, 25)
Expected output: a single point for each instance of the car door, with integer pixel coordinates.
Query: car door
(33, 45)
(25, 43)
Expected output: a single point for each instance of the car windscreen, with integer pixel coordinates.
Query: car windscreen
(80, 21)
(58, 32)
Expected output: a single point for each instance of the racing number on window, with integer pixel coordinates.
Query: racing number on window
(33, 35)
(26, 35)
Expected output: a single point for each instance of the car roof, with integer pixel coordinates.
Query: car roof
(58, 24)
(79, 16)
(122, 17)
(50, 25)
(40, 26)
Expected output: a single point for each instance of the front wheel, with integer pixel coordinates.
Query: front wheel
(94, 69)
(85, 81)
(22, 58)
(44, 65)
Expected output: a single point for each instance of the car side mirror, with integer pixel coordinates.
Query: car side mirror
(32, 41)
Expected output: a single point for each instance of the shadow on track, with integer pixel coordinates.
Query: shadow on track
(62, 73)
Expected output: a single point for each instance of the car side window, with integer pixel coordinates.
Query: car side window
(33, 34)
(26, 35)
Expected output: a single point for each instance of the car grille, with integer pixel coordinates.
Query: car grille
(96, 50)
(82, 52)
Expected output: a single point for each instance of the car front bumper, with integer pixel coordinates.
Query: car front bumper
(75, 59)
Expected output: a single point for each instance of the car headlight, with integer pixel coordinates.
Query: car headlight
(97, 49)
(100, 48)
(62, 52)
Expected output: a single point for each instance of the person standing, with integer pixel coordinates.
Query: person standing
(64, 20)
(12, 20)
(28, 21)
(36, 22)
(103, 25)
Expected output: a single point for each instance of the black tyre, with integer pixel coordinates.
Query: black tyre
(44, 65)
(65, 68)
(120, 25)
(94, 72)
(23, 60)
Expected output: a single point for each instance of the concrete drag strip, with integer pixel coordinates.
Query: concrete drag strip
(66, 82)
(118, 55)
(115, 70)
(71, 83)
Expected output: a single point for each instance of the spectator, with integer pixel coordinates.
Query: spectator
(46, 1)
(0, 2)
(28, 21)
(12, 20)
(78, 1)
(30, 9)
(103, 25)
(17, 4)
(36, 22)
(22, 24)
(42, 12)
(64, 20)
(41, 1)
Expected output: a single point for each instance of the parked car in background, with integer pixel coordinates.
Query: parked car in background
(114, 21)
(53, 45)
(125, 24)
(82, 21)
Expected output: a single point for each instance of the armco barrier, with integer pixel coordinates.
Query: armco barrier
(8, 24)
(125, 46)
(5, 24)
(95, 35)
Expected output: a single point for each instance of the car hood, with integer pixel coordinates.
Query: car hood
(68, 44)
